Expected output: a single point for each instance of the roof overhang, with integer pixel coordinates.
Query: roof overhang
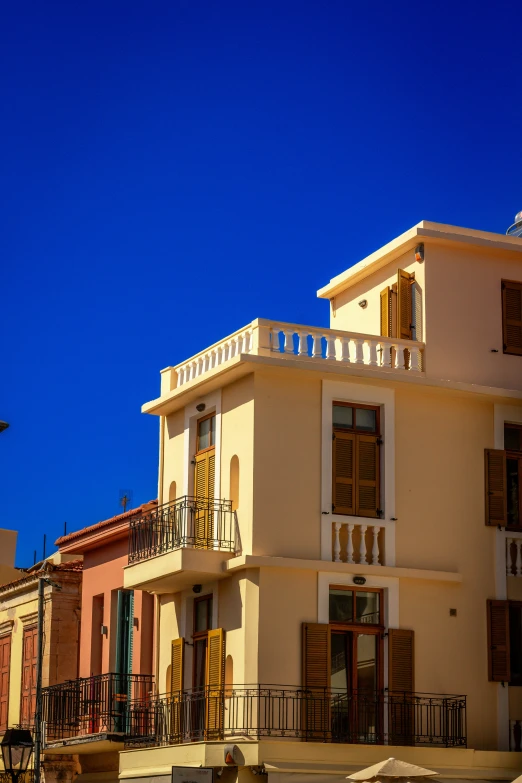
(425, 230)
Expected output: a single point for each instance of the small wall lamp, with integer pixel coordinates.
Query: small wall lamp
(419, 252)
(363, 303)
(200, 407)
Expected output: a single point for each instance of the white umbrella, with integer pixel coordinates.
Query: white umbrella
(391, 768)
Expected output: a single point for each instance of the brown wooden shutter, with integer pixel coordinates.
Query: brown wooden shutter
(316, 680)
(499, 668)
(404, 305)
(343, 472)
(215, 683)
(512, 317)
(495, 486)
(367, 476)
(5, 662)
(386, 312)
(401, 685)
(204, 489)
(29, 659)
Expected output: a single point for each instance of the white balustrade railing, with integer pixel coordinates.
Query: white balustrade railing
(294, 341)
(514, 556)
(359, 543)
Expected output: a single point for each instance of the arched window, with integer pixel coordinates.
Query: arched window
(172, 492)
(234, 482)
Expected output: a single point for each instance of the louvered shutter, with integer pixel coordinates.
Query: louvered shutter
(316, 680)
(495, 487)
(404, 305)
(204, 481)
(210, 494)
(215, 683)
(343, 473)
(401, 684)
(5, 662)
(177, 657)
(386, 312)
(499, 668)
(512, 317)
(367, 476)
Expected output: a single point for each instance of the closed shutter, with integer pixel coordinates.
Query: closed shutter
(177, 652)
(495, 486)
(499, 668)
(512, 317)
(5, 662)
(386, 312)
(367, 491)
(204, 490)
(29, 659)
(316, 680)
(404, 305)
(401, 684)
(343, 494)
(215, 683)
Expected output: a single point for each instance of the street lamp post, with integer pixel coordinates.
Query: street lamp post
(17, 747)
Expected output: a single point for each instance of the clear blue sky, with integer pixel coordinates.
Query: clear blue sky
(172, 170)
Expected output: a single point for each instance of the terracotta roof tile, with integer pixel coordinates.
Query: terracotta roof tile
(74, 566)
(104, 523)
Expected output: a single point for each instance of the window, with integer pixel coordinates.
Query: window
(505, 641)
(356, 460)
(355, 606)
(206, 433)
(201, 626)
(512, 317)
(397, 307)
(513, 447)
(5, 663)
(204, 482)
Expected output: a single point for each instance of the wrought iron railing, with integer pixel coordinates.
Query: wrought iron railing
(202, 523)
(93, 705)
(311, 715)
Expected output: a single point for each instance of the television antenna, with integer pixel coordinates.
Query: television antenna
(125, 499)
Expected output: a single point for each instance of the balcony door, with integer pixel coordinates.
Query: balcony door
(123, 663)
(29, 659)
(204, 482)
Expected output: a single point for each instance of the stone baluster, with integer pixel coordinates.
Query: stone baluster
(337, 543)
(330, 346)
(345, 349)
(373, 353)
(317, 350)
(359, 350)
(275, 340)
(415, 360)
(247, 341)
(386, 355)
(362, 549)
(509, 572)
(303, 344)
(375, 547)
(349, 547)
(289, 340)
(399, 357)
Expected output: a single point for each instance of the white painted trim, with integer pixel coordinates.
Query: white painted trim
(212, 405)
(367, 395)
(502, 414)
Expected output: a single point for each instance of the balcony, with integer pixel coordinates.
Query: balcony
(181, 543)
(290, 712)
(92, 711)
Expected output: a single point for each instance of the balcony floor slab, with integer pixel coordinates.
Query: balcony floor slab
(176, 570)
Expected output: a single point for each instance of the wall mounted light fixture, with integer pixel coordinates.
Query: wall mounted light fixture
(363, 303)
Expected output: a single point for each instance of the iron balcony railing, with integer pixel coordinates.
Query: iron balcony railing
(311, 715)
(202, 523)
(93, 705)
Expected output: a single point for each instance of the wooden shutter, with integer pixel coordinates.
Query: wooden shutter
(343, 473)
(404, 305)
(512, 317)
(367, 476)
(386, 312)
(401, 684)
(495, 486)
(215, 684)
(204, 489)
(29, 659)
(316, 680)
(5, 662)
(499, 667)
(177, 653)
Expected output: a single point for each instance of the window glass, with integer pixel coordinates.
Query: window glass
(202, 614)
(341, 606)
(365, 420)
(512, 439)
(366, 607)
(513, 492)
(206, 431)
(339, 662)
(515, 644)
(342, 417)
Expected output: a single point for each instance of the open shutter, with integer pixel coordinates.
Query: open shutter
(401, 684)
(512, 317)
(495, 485)
(404, 305)
(215, 684)
(343, 471)
(5, 662)
(367, 475)
(386, 312)
(316, 680)
(499, 668)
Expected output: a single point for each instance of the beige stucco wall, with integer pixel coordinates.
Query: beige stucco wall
(173, 454)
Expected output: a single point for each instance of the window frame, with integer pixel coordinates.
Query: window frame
(339, 625)
(208, 598)
(515, 605)
(212, 433)
(503, 284)
(355, 406)
(514, 454)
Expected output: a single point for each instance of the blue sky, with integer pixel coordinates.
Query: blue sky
(172, 170)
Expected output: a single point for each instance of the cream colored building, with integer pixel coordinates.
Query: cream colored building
(337, 563)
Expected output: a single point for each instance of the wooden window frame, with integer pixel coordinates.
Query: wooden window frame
(208, 598)
(513, 454)
(358, 434)
(517, 605)
(503, 283)
(379, 627)
(213, 440)
(355, 406)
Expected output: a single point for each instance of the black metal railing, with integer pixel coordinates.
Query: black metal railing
(197, 522)
(93, 705)
(311, 715)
